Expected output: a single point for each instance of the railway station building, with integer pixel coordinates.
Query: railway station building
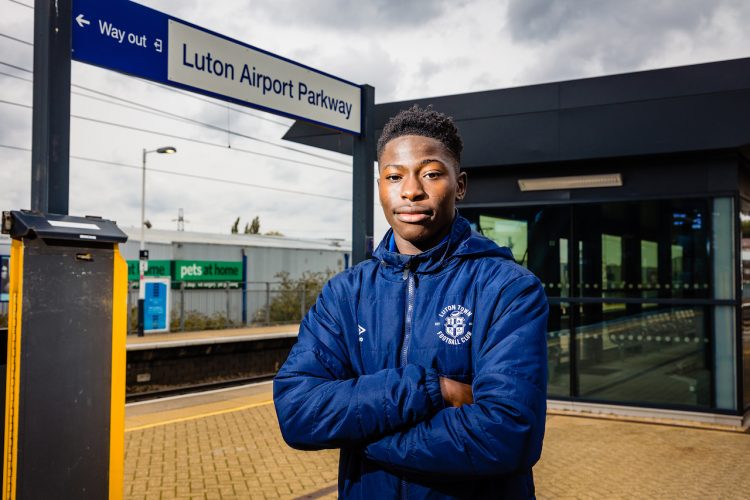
(629, 197)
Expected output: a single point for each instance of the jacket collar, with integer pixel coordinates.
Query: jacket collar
(426, 262)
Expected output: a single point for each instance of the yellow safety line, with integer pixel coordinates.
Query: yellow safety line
(198, 416)
(117, 389)
(13, 372)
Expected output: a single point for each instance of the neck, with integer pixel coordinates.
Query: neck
(406, 247)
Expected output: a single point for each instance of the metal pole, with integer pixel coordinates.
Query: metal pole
(229, 320)
(244, 287)
(268, 303)
(50, 139)
(363, 153)
(182, 306)
(142, 261)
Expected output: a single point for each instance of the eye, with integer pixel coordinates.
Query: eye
(392, 177)
(433, 174)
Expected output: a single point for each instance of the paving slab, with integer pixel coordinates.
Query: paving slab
(227, 444)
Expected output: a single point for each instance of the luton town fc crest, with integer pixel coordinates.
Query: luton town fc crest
(456, 322)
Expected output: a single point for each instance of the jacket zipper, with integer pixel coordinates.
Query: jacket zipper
(409, 276)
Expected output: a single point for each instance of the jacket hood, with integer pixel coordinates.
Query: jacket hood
(461, 243)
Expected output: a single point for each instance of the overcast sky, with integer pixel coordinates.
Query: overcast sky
(405, 49)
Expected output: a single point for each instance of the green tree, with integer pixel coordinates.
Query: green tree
(254, 227)
(236, 226)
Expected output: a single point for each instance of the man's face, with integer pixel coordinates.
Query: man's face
(418, 188)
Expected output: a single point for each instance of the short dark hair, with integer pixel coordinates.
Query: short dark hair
(425, 122)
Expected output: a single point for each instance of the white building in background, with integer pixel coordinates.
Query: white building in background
(266, 255)
(193, 260)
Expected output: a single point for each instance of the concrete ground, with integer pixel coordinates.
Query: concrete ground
(227, 444)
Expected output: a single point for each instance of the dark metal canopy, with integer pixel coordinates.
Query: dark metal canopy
(702, 107)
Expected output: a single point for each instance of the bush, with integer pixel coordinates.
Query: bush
(195, 320)
(286, 305)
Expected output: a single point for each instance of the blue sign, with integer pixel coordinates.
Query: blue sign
(129, 38)
(156, 306)
(4, 278)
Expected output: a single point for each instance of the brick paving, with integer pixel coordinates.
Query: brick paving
(233, 449)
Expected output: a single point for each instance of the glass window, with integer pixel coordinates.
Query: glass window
(724, 316)
(558, 350)
(646, 249)
(745, 261)
(538, 238)
(594, 255)
(643, 353)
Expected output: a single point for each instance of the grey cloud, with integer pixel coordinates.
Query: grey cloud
(368, 63)
(579, 37)
(546, 20)
(350, 16)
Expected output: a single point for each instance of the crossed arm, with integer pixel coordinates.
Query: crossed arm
(411, 418)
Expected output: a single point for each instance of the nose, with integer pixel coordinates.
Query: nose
(412, 189)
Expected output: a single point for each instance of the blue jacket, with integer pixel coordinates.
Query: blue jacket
(363, 375)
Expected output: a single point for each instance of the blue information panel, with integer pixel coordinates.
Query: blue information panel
(156, 306)
(4, 278)
(129, 38)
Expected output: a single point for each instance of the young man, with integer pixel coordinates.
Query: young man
(427, 363)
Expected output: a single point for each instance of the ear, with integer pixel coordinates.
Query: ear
(461, 182)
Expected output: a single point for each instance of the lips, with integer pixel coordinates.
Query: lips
(413, 215)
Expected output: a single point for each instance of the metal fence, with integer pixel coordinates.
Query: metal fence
(3, 314)
(255, 304)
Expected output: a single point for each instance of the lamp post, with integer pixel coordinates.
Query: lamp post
(143, 254)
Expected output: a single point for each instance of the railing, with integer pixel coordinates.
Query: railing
(3, 315)
(254, 304)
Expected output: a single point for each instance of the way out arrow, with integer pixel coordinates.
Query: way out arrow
(81, 21)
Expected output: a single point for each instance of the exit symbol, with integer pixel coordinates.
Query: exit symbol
(81, 21)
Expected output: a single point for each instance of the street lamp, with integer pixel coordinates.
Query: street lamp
(143, 254)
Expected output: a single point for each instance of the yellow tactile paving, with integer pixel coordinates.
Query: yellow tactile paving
(186, 408)
(212, 450)
(228, 445)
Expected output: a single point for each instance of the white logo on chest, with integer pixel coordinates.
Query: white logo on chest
(456, 323)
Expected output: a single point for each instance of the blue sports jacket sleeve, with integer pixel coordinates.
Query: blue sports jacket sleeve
(502, 430)
(322, 403)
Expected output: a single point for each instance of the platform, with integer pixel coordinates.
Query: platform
(178, 339)
(227, 444)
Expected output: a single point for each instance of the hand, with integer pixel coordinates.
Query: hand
(455, 393)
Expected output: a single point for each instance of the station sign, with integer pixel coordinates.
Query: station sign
(124, 36)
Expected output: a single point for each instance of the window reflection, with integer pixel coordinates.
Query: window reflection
(647, 249)
(558, 350)
(538, 238)
(643, 353)
(745, 225)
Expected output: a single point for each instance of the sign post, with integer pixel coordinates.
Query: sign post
(50, 137)
(363, 159)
